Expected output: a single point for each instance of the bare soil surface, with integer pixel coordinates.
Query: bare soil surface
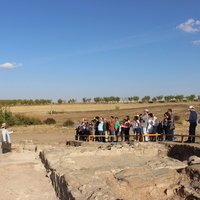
(23, 175)
(23, 178)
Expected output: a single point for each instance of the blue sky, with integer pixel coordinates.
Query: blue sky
(53, 49)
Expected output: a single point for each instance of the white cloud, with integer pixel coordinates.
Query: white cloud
(190, 26)
(9, 65)
(196, 42)
(197, 22)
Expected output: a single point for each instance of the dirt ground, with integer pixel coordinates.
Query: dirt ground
(23, 178)
(23, 175)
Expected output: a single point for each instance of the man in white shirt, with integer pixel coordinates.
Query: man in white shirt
(6, 142)
(143, 123)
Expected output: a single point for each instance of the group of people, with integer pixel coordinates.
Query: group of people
(146, 123)
(104, 130)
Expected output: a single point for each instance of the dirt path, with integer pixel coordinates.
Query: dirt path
(23, 178)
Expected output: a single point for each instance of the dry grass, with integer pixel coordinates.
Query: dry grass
(79, 111)
(78, 107)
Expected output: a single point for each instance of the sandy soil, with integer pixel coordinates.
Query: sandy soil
(23, 176)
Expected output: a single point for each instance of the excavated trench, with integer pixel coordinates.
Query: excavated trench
(135, 171)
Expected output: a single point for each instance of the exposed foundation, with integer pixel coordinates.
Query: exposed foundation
(134, 171)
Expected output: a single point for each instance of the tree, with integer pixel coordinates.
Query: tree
(130, 99)
(117, 99)
(114, 99)
(136, 98)
(179, 97)
(106, 99)
(168, 98)
(159, 97)
(191, 97)
(154, 99)
(146, 98)
(6, 116)
(72, 101)
(97, 99)
(84, 100)
(60, 101)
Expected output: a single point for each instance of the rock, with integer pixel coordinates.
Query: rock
(193, 160)
(114, 171)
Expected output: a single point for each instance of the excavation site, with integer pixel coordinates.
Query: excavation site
(107, 171)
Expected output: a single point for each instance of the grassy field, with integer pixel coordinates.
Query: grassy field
(79, 111)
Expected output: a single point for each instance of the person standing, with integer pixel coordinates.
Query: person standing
(6, 142)
(150, 125)
(127, 125)
(165, 127)
(159, 130)
(100, 129)
(192, 119)
(105, 130)
(170, 125)
(96, 132)
(121, 131)
(78, 130)
(143, 123)
(155, 124)
(136, 128)
(112, 128)
(117, 125)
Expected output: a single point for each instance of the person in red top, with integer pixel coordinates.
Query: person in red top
(112, 128)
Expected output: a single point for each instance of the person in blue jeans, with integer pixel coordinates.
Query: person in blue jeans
(112, 128)
(100, 129)
(192, 119)
(165, 127)
(170, 122)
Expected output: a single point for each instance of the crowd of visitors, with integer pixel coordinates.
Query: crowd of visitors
(113, 130)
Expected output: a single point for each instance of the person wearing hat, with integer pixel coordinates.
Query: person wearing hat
(192, 119)
(5, 138)
(143, 122)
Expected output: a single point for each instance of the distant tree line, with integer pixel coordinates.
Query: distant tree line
(64, 101)
(113, 99)
(191, 97)
(106, 99)
(25, 102)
